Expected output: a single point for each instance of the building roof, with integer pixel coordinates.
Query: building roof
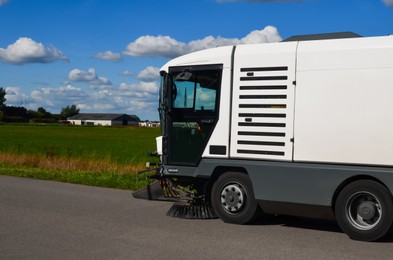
(102, 116)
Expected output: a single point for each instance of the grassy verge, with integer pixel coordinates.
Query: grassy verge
(106, 157)
(103, 174)
(101, 179)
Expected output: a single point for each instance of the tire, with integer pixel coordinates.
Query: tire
(233, 198)
(364, 210)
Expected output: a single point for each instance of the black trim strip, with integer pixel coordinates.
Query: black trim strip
(262, 106)
(231, 98)
(263, 124)
(263, 96)
(260, 152)
(261, 143)
(282, 68)
(270, 87)
(264, 78)
(175, 69)
(262, 115)
(261, 133)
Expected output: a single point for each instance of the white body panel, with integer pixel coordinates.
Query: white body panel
(344, 106)
(263, 101)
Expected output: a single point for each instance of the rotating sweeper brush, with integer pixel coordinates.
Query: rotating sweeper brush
(191, 210)
(187, 205)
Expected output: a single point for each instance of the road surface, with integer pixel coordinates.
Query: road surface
(52, 220)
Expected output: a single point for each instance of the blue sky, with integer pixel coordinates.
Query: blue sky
(104, 55)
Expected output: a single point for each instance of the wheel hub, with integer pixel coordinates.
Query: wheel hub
(363, 210)
(232, 198)
(366, 210)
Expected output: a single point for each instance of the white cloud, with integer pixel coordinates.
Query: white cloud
(96, 107)
(80, 75)
(53, 99)
(90, 76)
(141, 89)
(25, 50)
(388, 2)
(59, 94)
(14, 97)
(155, 46)
(268, 34)
(127, 73)
(165, 46)
(103, 81)
(139, 98)
(149, 74)
(109, 56)
(3, 2)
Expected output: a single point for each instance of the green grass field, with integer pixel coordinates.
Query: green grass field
(104, 156)
(120, 145)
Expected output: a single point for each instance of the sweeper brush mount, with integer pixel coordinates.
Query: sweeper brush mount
(186, 206)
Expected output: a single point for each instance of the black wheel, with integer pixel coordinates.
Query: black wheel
(233, 198)
(364, 210)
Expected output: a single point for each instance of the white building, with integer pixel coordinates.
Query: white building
(149, 124)
(104, 119)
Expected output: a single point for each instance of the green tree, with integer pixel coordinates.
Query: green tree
(2, 97)
(69, 111)
(41, 110)
(43, 113)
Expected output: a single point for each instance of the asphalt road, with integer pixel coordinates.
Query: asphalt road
(51, 220)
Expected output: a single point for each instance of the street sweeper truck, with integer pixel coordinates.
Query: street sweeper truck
(300, 127)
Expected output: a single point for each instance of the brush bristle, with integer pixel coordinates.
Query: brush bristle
(191, 211)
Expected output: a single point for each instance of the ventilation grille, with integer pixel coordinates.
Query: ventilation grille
(262, 112)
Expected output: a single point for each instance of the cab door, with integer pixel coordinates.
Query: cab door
(194, 112)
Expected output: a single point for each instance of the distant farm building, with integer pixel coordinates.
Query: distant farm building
(149, 124)
(104, 119)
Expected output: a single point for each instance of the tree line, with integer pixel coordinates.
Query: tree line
(12, 114)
